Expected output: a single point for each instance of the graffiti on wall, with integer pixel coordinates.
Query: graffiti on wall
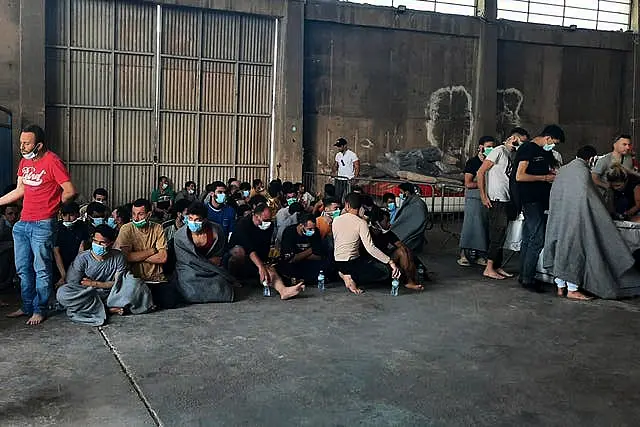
(508, 104)
(450, 120)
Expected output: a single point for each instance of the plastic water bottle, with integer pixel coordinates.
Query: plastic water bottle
(321, 280)
(395, 285)
(267, 289)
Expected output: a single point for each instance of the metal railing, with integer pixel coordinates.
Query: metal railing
(445, 201)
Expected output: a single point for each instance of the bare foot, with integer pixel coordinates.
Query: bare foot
(578, 296)
(503, 273)
(291, 291)
(17, 313)
(560, 292)
(492, 275)
(414, 286)
(116, 310)
(36, 319)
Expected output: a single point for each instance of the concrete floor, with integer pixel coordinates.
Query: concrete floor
(465, 352)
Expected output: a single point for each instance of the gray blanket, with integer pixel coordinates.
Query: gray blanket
(411, 222)
(475, 225)
(86, 305)
(582, 244)
(200, 281)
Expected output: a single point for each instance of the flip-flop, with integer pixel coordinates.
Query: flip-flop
(494, 278)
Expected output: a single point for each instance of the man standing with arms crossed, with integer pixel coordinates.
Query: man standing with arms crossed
(44, 183)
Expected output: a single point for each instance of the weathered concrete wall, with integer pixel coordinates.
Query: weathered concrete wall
(384, 80)
(385, 90)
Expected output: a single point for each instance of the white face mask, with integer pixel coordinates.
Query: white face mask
(264, 225)
(31, 155)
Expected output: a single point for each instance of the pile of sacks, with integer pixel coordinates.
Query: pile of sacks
(421, 164)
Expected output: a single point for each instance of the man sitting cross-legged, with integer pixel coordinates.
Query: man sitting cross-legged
(349, 230)
(386, 240)
(199, 248)
(250, 245)
(97, 278)
(144, 244)
(302, 250)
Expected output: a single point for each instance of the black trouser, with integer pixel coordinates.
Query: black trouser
(364, 270)
(497, 231)
(165, 295)
(342, 188)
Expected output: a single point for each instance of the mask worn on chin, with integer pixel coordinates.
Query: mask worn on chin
(111, 222)
(309, 233)
(220, 198)
(264, 225)
(164, 186)
(548, 147)
(190, 191)
(99, 250)
(291, 200)
(139, 224)
(31, 155)
(69, 223)
(194, 226)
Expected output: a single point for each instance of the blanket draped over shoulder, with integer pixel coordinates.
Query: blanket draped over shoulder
(410, 223)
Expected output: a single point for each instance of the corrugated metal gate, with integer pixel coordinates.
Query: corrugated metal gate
(136, 90)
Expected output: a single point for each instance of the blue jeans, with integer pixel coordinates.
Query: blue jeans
(534, 227)
(33, 249)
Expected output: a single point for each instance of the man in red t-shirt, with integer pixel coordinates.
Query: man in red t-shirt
(43, 183)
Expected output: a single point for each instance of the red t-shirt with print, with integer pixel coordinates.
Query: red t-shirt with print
(42, 192)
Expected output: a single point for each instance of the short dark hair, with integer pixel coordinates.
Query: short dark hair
(256, 182)
(330, 190)
(297, 185)
(520, 131)
(188, 183)
(36, 130)
(70, 208)
(257, 200)
(95, 207)
(407, 186)
(621, 136)
(485, 139)
(217, 184)
(142, 203)
(304, 218)
(105, 231)
(124, 212)
(197, 208)
(161, 177)
(245, 186)
(181, 205)
(553, 131)
(275, 187)
(376, 214)
(354, 200)
(586, 152)
(388, 196)
(287, 187)
(295, 207)
(329, 201)
(260, 208)
(100, 192)
(230, 180)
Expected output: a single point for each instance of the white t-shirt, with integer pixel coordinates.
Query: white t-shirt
(345, 163)
(498, 175)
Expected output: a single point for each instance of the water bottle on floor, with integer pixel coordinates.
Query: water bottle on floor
(395, 285)
(321, 280)
(420, 273)
(267, 289)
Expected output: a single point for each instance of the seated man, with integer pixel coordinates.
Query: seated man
(71, 238)
(257, 188)
(188, 193)
(199, 248)
(389, 203)
(330, 211)
(412, 218)
(302, 251)
(96, 279)
(582, 245)
(145, 247)
(100, 195)
(10, 215)
(349, 230)
(163, 198)
(250, 245)
(624, 199)
(285, 217)
(218, 211)
(385, 239)
(179, 219)
(245, 192)
(305, 198)
(97, 214)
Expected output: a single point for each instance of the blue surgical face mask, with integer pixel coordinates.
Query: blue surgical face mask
(99, 250)
(402, 196)
(264, 225)
(391, 206)
(220, 198)
(97, 221)
(111, 222)
(245, 193)
(548, 147)
(309, 233)
(194, 226)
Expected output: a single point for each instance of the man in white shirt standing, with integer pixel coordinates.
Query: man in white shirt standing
(493, 183)
(347, 167)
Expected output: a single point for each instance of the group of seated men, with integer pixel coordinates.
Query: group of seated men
(188, 248)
